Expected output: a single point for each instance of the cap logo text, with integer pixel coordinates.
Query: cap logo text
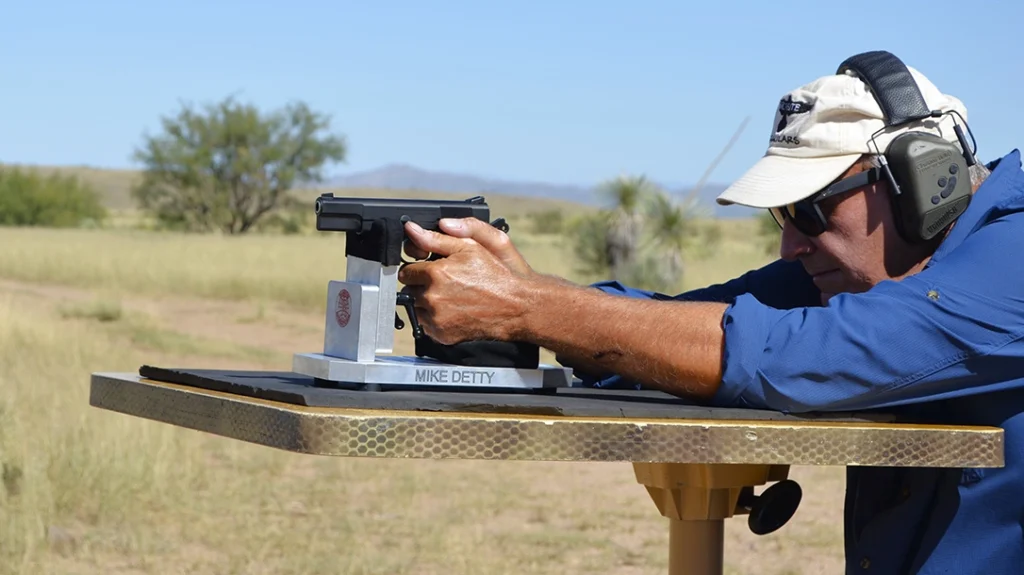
(787, 107)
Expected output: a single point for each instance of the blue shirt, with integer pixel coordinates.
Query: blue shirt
(943, 346)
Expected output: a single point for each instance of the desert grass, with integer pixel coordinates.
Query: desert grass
(288, 269)
(66, 468)
(90, 491)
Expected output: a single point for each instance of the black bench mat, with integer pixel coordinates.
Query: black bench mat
(297, 389)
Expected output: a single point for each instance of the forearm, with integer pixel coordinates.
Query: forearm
(580, 363)
(672, 346)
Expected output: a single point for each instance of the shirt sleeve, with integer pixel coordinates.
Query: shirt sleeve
(952, 330)
(778, 284)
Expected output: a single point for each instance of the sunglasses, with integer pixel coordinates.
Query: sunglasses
(806, 214)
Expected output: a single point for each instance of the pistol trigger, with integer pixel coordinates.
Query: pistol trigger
(399, 324)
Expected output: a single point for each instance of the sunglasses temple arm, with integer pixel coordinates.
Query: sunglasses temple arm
(888, 175)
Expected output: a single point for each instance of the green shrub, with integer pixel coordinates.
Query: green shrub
(547, 222)
(29, 199)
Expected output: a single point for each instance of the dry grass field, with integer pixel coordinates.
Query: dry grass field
(90, 491)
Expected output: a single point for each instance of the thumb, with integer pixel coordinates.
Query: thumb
(491, 238)
(433, 242)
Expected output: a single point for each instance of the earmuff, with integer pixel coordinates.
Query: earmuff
(928, 175)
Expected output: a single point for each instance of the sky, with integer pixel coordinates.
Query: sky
(572, 92)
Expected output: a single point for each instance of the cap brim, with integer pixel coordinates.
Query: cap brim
(776, 181)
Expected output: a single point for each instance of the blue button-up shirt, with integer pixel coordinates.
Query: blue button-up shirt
(945, 345)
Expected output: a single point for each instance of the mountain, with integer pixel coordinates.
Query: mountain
(406, 177)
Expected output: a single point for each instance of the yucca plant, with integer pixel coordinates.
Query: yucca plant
(640, 239)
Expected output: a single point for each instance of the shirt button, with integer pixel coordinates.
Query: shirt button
(865, 563)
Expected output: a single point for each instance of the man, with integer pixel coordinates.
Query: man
(852, 317)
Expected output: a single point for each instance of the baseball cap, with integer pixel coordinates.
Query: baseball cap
(820, 130)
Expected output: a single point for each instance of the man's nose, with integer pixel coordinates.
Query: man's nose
(794, 243)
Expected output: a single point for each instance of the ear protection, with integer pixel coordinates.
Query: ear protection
(927, 175)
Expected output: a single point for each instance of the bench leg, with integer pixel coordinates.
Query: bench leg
(696, 499)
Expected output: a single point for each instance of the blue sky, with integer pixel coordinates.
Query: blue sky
(560, 91)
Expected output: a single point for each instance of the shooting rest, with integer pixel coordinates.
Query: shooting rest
(700, 465)
(361, 318)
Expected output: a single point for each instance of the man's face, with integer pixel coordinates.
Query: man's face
(860, 247)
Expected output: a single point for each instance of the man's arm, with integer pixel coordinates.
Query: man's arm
(668, 345)
(779, 284)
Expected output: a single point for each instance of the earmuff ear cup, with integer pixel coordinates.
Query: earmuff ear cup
(935, 186)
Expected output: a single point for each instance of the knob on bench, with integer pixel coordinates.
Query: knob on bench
(773, 508)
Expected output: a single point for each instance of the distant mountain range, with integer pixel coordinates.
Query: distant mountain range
(406, 177)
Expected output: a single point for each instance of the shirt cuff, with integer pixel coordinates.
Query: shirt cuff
(617, 288)
(746, 323)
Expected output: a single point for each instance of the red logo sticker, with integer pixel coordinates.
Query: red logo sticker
(343, 308)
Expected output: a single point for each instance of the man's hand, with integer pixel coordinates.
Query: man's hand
(475, 291)
(500, 246)
(494, 240)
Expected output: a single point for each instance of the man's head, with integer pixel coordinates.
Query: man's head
(821, 149)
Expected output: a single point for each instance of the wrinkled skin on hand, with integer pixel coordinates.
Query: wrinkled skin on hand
(477, 290)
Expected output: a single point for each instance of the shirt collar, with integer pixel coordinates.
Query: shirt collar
(1001, 189)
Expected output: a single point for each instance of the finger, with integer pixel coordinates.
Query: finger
(459, 227)
(475, 229)
(415, 274)
(414, 252)
(433, 242)
(494, 240)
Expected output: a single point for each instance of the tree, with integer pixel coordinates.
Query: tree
(229, 165)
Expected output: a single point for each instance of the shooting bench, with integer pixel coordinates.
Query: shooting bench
(494, 400)
(700, 465)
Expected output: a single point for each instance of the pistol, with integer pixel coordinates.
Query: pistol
(375, 227)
